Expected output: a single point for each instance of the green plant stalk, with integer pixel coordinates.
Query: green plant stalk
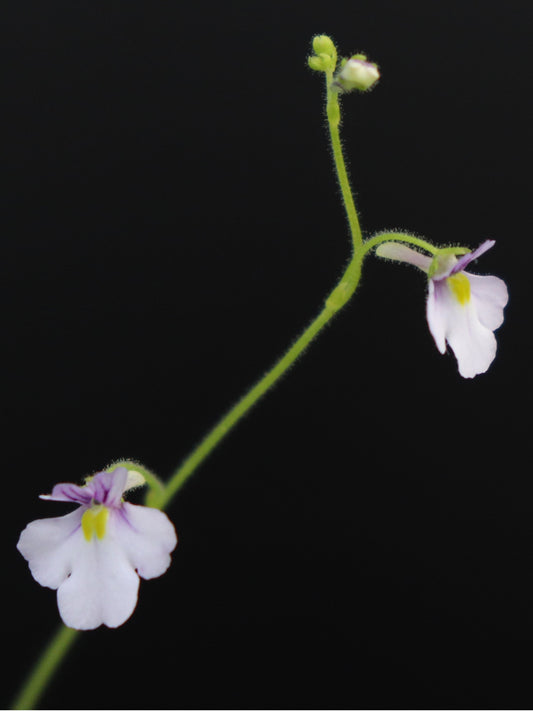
(334, 119)
(41, 674)
(234, 415)
(154, 483)
(334, 302)
(159, 494)
(378, 239)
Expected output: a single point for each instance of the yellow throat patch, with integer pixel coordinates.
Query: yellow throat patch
(460, 287)
(94, 522)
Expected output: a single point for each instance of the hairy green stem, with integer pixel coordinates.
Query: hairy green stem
(226, 424)
(398, 237)
(154, 483)
(41, 674)
(334, 118)
(334, 302)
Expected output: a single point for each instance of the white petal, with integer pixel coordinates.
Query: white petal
(97, 580)
(102, 587)
(148, 537)
(436, 313)
(473, 344)
(401, 253)
(490, 296)
(47, 546)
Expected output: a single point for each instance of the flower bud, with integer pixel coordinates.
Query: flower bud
(357, 73)
(317, 63)
(322, 44)
(325, 59)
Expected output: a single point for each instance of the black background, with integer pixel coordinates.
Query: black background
(170, 222)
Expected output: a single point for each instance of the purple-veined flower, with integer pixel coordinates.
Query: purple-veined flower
(95, 554)
(462, 309)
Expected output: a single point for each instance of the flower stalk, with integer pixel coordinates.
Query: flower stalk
(51, 658)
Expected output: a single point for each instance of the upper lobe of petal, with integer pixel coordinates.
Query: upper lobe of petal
(465, 260)
(104, 488)
(107, 487)
(69, 492)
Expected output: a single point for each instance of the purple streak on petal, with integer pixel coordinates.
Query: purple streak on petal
(436, 312)
(107, 487)
(121, 516)
(465, 260)
(98, 488)
(68, 492)
(118, 478)
(356, 60)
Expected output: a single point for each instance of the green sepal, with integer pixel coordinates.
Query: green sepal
(454, 250)
(153, 482)
(444, 252)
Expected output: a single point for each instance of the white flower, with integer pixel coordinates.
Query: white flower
(462, 309)
(357, 73)
(94, 555)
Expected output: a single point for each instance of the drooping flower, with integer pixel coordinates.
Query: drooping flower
(95, 554)
(357, 73)
(462, 309)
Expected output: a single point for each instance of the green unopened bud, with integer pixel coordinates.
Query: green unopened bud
(357, 73)
(326, 54)
(317, 63)
(322, 44)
